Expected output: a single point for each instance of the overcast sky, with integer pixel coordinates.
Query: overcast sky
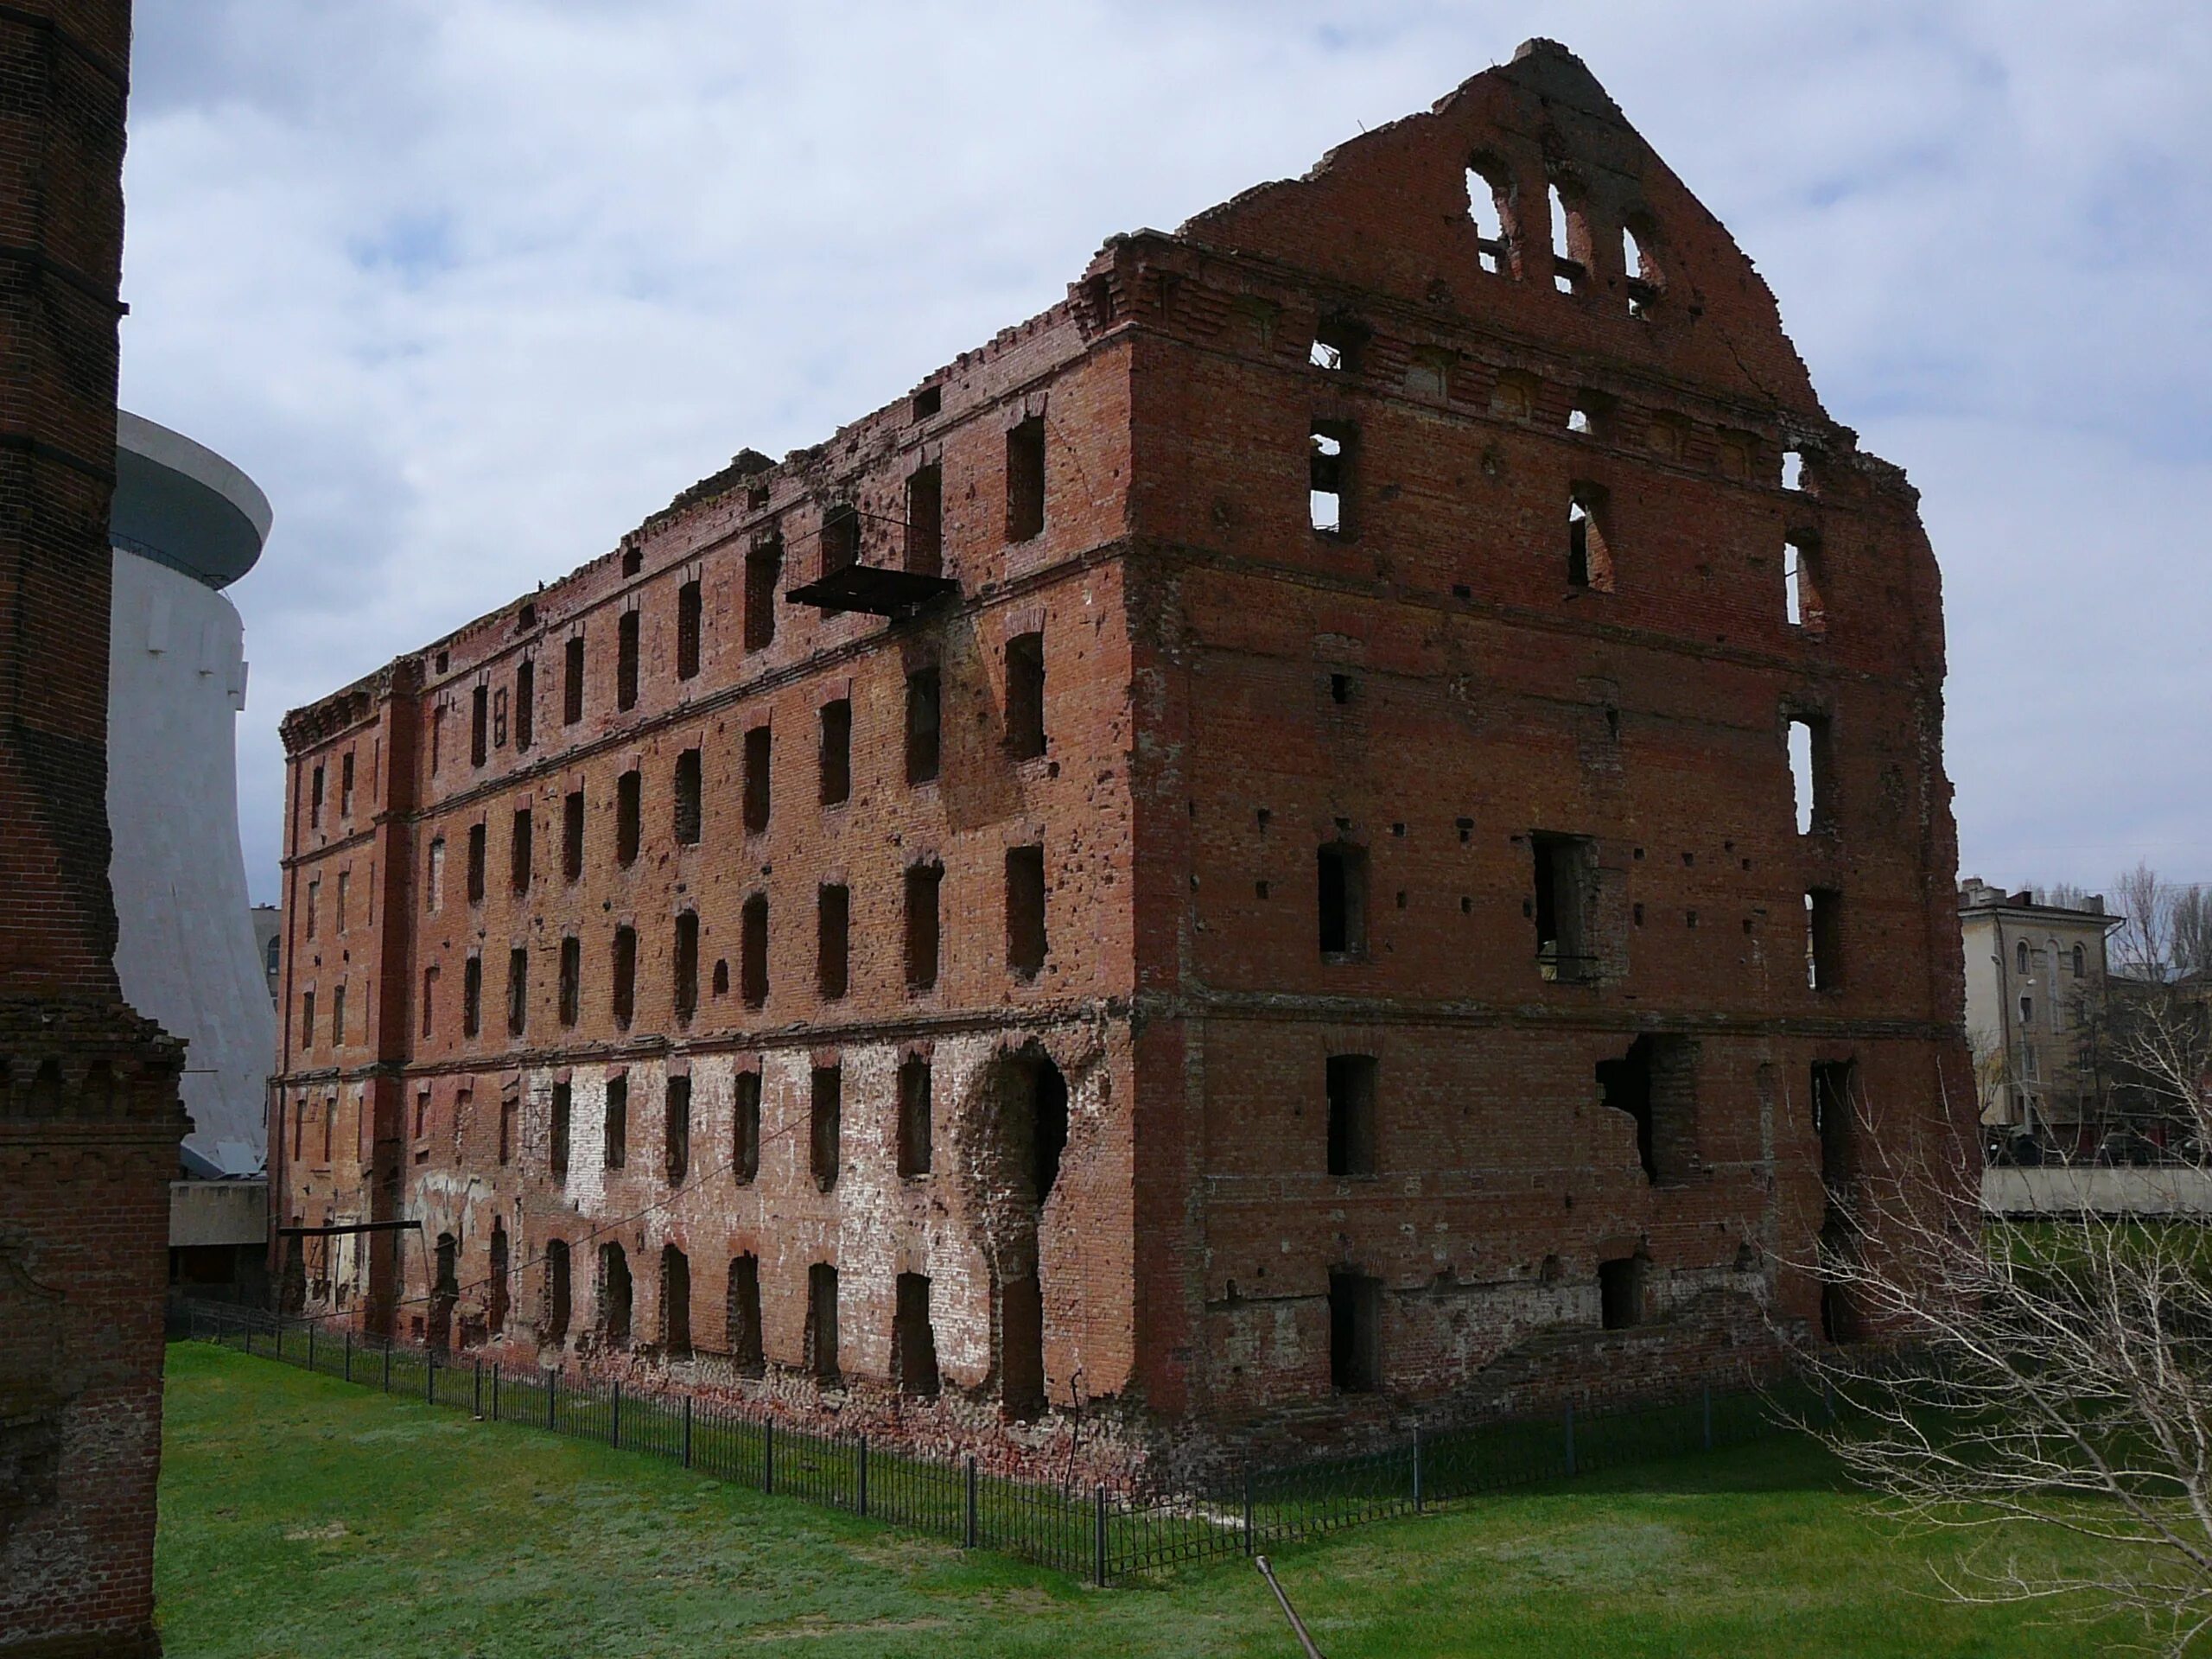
(470, 286)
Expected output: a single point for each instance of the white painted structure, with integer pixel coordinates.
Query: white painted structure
(185, 524)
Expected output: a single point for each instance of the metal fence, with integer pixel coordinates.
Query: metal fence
(1094, 1532)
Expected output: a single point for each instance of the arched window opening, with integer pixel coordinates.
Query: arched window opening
(613, 1293)
(1487, 200)
(2020, 959)
(1640, 270)
(1570, 243)
(2081, 961)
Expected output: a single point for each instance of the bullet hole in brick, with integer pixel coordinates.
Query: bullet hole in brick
(675, 1302)
(1340, 688)
(553, 1312)
(1342, 870)
(1639, 854)
(1024, 911)
(913, 1339)
(1025, 479)
(1689, 860)
(1689, 919)
(1355, 1332)
(914, 1117)
(1620, 1293)
(614, 1298)
(928, 401)
(1466, 828)
(1349, 1086)
(742, 1315)
(825, 1143)
(753, 951)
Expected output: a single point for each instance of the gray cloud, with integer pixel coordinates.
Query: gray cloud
(470, 287)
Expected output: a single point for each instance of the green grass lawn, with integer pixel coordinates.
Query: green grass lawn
(303, 1516)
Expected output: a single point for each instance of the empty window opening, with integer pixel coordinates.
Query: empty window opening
(338, 1018)
(1340, 689)
(1352, 1088)
(345, 784)
(841, 538)
(557, 1130)
(822, 1321)
(742, 1315)
(1589, 556)
(922, 726)
(1486, 211)
(479, 725)
(1024, 911)
(722, 978)
(572, 680)
(1025, 479)
(1330, 447)
(525, 703)
(689, 613)
(518, 850)
(2081, 961)
(1640, 271)
(1565, 870)
(553, 1315)
(634, 560)
(572, 835)
(615, 1125)
(924, 892)
(314, 799)
(625, 999)
(744, 1127)
(928, 401)
(1620, 1293)
(1836, 1121)
(476, 834)
(518, 990)
(833, 916)
(436, 882)
(626, 661)
(2020, 957)
(753, 951)
(1354, 1333)
(687, 797)
(1801, 579)
(925, 521)
(315, 906)
(914, 1128)
(1042, 1121)
(757, 799)
(1025, 695)
(471, 997)
(629, 815)
(1811, 774)
(1021, 1347)
(1795, 474)
(837, 752)
(2027, 1011)
(1570, 243)
(1824, 939)
(496, 1300)
(1656, 1084)
(1337, 343)
(675, 1302)
(764, 575)
(572, 976)
(613, 1293)
(913, 1339)
(825, 1140)
(685, 965)
(1342, 868)
(445, 1290)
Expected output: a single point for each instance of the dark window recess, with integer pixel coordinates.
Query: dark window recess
(499, 718)
(925, 522)
(1354, 1333)
(525, 703)
(518, 990)
(345, 784)
(1021, 1347)
(626, 661)
(833, 915)
(741, 1316)
(572, 835)
(1565, 873)
(1338, 342)
(556, 1131)
(675, 1301)
(678, 1128)
(689, 615)
(722, 978)
(479, 725)
(826, 1126)
(928, 401)
(613, 1293)
(922, 726)
(1025, 479)
(314, 799)
(1025, 695)
(753, 951)
(1332, 460)
(471, 996)
(837, 752)
(924, 890)
(508, 1106)
(634, 560)
(1351, 1089)
(756, 779)
(686, 964)
(1824, 939)
(1836, 1121)
(913, 1339)
(497, 1296)
(764, 575)
(1044, 1094)
(518, 851)
(687, 797)
(629, 812)
(841, 538)
(745, 1129)
(572, 976)
(572, 680)
(625, 1000)
(1342, 869)
(445, 1290)
(553, 1318)
(822, 1321)
(1656, 1084)
(1024, 911)
(617, 1141)
(1620, 1293)
(914, 1117)
(1589, 554)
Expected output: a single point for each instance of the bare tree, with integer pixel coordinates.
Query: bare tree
(2140, 944)
(2046, 1389)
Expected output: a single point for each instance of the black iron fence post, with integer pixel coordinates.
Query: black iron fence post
(495, 1394)
(1570, 1439)
(614, 1437)
(1248, 1509)
(349, 1353)
(863, 1475)
(552, 1402)
(969, 1536)
(1417, 1494)
(476, 1392)
(430, 1375)
(687, 1430)
(768, 1458)
(1707, 1398)
(310, 1347)
(1098, 1534)
(387, 1367)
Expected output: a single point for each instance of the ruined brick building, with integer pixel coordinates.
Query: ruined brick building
(1229, 863)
